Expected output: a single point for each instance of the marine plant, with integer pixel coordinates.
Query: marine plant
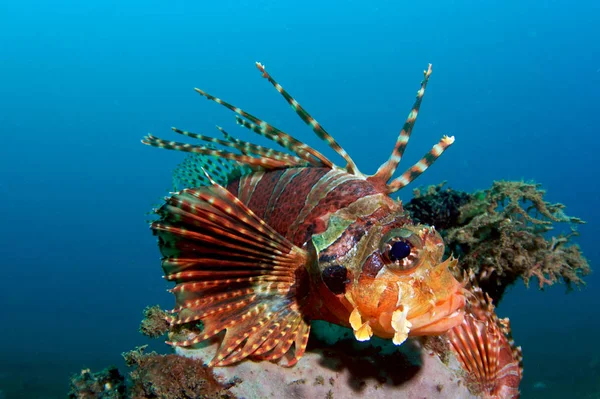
(503, 234)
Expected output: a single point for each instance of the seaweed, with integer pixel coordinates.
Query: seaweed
(502, 234)
(151, 376)
(155, 322)
(172, 376)
(105, 384)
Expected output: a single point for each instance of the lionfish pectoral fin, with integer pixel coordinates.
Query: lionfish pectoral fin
(232, 272)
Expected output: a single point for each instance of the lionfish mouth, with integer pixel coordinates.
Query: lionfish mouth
(445, 313)
(442, 318)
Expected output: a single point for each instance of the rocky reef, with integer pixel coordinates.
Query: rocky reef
(503, 234)
(500, 235)
(335, 366)
(105, 384)
(152, 376)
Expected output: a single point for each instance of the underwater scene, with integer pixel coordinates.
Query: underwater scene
(319, 199)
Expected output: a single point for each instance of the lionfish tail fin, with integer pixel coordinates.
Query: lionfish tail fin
(386, 171)
(484, 347)
(232, 273)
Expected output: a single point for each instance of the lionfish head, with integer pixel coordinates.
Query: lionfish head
(387, 274)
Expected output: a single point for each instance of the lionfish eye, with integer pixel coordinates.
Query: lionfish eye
(400, 248)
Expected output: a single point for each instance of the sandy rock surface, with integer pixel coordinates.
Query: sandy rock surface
(410, 372)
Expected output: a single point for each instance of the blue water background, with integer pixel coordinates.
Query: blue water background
(517, 83)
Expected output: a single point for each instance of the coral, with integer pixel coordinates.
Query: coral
(152, 376)
(155, 322)
(106, 384)
(436, 206)
(501, 234)
(172, 376)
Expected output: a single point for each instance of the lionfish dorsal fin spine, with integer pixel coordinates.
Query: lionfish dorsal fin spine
(246, 147)
(257, 158)
(310, 121)
(303, 151)
(421, 166)
(264, 162)
(271, 132)
(386, 171)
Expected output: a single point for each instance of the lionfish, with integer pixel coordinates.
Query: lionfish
(483, 344)
(262, 241)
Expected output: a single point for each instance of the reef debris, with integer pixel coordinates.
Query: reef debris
(172, 376)
(501, 234)
(155, 322)
(152, 376)
(105, 384)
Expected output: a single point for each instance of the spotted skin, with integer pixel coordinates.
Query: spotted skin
(289, 204)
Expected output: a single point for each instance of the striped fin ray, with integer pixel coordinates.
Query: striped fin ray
(296, 146)
(245, 147)
(421, 166)
(310, 121)
(485, 349)
(189, 172)
(255, 149)
(271, 132)
(386, 171)
(257, 157)
(232, 272)
(261, 162)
